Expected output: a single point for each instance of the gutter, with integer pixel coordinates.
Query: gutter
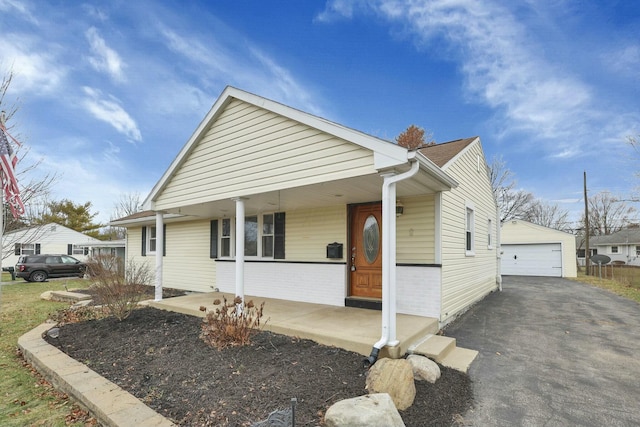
(388, 335)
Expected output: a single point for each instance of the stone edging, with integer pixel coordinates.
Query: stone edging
(110, 404)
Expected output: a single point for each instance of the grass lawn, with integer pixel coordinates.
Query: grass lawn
(26, 400)
(626, 282)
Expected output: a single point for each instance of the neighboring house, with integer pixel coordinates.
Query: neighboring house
(270, 201)
(533, 250)
(45, 239)
(622, 246)
(115, 248)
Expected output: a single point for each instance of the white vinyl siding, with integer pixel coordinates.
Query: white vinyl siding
(415, 235)
(187, 264)
(466, 279)
(518, 232)
(249, 150)
(308, 232)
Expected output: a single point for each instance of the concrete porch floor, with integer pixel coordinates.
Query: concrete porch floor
(354, 329)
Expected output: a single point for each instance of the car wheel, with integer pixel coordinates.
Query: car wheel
(38, 276)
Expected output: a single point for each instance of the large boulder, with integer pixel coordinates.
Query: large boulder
(424, 369)
(395, 377)
(372, 410)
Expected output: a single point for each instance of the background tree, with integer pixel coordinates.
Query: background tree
(548, 215)
(608, 214)
(414, 137)
(33, 187)
(512, 203)
(521, 204)
(77, 217)
(127, 204)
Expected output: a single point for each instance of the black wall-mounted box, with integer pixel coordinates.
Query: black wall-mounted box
(334, 250)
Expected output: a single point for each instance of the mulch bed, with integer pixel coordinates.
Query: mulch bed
(158, 356)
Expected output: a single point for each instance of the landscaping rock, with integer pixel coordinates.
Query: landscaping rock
(395, 377)
(424, 368)
(373, 410)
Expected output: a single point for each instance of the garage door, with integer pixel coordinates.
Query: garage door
(543, 259)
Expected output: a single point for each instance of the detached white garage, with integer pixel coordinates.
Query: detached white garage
(532, 250)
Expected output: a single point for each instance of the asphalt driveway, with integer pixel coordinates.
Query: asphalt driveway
(553, 352)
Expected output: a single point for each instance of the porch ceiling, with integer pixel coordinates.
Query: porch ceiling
(361, 189)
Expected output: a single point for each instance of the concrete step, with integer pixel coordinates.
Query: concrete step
(444, 351)
(68, 296)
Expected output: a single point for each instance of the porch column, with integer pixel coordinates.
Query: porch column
(240, 247)
(159, 253)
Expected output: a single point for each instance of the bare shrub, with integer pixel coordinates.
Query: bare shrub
(231, 323)
(119, 288)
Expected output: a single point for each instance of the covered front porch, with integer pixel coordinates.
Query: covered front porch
(354, 329)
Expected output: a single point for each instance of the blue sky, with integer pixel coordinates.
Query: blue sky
(109, 91)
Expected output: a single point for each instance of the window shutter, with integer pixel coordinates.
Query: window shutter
(164, 239)
(213, 248)
(278, 235)
(37, 248)
(16, 248)
(144, 241)
(69, 249)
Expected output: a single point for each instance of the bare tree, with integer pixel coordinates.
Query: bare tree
(608, 214)
(513, 204)
(414, 137)
(548, 215)
(127, 204)
(33, 190)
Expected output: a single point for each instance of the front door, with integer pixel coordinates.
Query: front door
(366, 251)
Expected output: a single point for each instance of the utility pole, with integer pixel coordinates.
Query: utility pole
(586, 226)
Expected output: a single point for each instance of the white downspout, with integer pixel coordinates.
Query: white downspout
(159, 260)
(239, 248)
(499, 249)
(388, 336)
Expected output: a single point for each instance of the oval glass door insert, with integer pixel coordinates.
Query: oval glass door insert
(371, 239)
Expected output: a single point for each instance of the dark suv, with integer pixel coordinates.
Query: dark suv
(37, 268)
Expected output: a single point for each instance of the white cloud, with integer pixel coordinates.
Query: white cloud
(625, 59)
(110, 111)
(10, 6)
(104, 58)
(34, 64)
(241, 63)
(503, 64)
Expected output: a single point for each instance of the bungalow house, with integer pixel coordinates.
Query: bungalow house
(45, 239)
(270, 201)
(622, 246)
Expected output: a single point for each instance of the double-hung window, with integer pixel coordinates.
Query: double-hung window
(150, 239)
(27, 248)
(637, 250)
(469, 230)
(263, 236)
(614, 249)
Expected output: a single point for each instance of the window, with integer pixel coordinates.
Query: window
(151, 243)
(263, 236)
(267, 235)
(489, 231)
(469, 230)
(614, 249)
(581, 253)
(27, 249)
(637, 250)
(251, 236)
(78, 250)
(149, 240)
(225, 239)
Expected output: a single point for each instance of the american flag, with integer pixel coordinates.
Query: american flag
(8, 160)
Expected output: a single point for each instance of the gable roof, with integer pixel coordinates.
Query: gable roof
(443, 153)
(627, 236)
(386, 154)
